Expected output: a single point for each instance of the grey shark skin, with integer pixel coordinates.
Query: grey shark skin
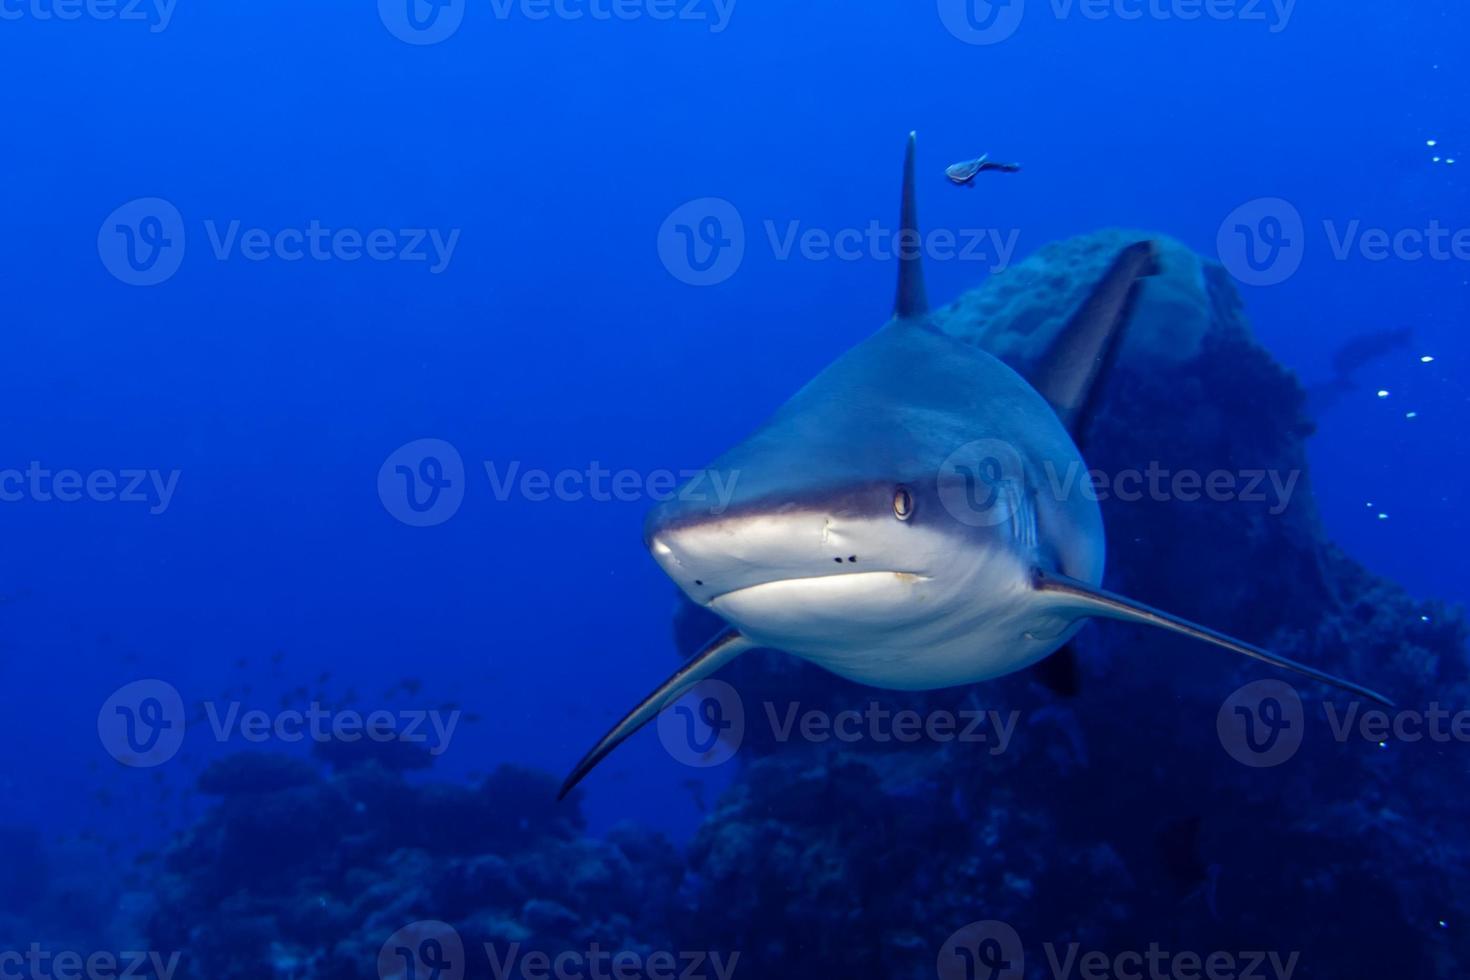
(891, 522)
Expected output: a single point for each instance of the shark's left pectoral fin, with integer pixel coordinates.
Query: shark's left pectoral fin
(1090, 601)
(718, 652)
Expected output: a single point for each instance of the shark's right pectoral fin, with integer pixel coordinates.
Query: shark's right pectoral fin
(718, 652)
(1090, 601)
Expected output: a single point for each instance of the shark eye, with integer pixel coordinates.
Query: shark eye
(903, 504)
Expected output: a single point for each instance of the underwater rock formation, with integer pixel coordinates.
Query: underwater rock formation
(1125, 817)
(311, 880)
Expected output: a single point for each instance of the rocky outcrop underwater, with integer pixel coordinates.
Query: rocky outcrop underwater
(1182, 807)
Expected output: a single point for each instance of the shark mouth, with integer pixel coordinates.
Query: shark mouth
(816, 583)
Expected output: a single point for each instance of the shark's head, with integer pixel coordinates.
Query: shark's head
(850, 522)
(807, 565)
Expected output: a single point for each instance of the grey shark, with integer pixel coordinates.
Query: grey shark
(892, 522)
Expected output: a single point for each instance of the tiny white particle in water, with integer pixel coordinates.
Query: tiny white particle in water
(1431, 142)
(1382, 392)
(1382, 517)
(1383, 745)
(1449, 160)
(1427, 359)
(1435, 159)
(1411, 415)
(1443, 924)
(1423, 619)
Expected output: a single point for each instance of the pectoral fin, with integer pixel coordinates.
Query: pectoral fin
(1090, 601)
(718, 652)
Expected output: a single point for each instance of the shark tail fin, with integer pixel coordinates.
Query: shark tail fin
(1069, 375)
(912, 300)
(718, 652)
(1089, 601)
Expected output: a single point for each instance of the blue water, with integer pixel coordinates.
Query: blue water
(554, 337)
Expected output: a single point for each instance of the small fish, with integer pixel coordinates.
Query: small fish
(965, 173)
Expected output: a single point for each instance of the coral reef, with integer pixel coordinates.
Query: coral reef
(312, 879)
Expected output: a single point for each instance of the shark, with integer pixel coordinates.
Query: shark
(892, 523)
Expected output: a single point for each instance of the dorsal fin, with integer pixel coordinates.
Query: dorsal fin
(911, 298)
(1068, 375)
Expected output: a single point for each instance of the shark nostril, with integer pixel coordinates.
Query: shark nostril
(698, 581)
(852, 558)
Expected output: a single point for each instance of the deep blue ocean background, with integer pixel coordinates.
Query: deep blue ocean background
(556, 337)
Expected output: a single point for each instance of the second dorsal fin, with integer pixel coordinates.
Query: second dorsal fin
(911, 300)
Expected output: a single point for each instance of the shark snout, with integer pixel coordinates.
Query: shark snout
(715, 555)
